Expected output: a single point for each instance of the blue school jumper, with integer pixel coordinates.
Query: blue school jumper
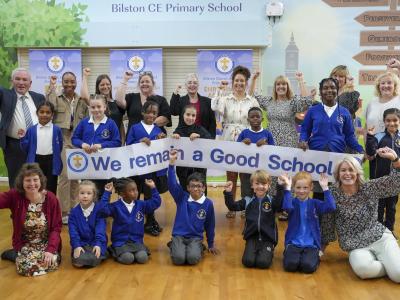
(256, 136)
(127, 226)
(303, 226)
(137, 132)
(89, 231)
(192, 218)
(29, 145)
(107, 134)
(333, 133)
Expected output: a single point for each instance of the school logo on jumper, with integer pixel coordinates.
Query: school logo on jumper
(105, 134)
(224, 64)
(139, 216)
(266, 206)
(397, 141)
(201, 214)
(136, 63)
(340, 119)
(77, 161)
(55, 64)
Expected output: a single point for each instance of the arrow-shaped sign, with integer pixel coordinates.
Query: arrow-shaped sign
(379, 18)
(376, 57)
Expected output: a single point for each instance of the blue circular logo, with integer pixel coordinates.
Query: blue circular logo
(136, 63)
(55, 64)
(77, 162)
(224, 64)
(201, 214)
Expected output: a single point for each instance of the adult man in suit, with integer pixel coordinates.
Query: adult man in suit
(18, 111)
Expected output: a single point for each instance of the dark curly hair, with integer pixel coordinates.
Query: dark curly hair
(120, 184)
(29, 169)
(241, 70)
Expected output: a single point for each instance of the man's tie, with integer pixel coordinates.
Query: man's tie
(27, 113)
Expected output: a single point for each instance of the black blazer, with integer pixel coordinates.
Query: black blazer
(8, 101)
(207, 115)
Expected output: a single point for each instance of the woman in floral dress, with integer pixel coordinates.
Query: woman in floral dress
(36, 217)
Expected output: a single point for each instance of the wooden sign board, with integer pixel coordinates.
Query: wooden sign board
(380, 38)
(376, 57)
(356, 3)
(379, 18)
(368, 77)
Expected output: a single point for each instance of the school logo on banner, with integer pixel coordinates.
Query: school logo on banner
(77, 161)
(224, 64)
(136, 63)
(201, 214)
(55, 63)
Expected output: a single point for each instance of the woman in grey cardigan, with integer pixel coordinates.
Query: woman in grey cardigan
(373, 250)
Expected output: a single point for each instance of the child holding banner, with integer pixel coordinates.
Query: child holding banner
(43, 144)
(261, 232)
(303, 238)
(194, 215)
(380, 166)
(188, 128)
(87, 232)
(256, 135)
(96, 132)
(128, 219)
(144, 132)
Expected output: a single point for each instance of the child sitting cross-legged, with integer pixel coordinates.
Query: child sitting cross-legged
(194, 215)
(303, 238)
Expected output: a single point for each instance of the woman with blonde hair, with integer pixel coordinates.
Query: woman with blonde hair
(373, 250)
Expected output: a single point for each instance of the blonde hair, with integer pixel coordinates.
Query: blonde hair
(302, 175)
(355, 165)
(340, 70)
(260, 176)
(289, 92)
(395, 79)
(92, 185)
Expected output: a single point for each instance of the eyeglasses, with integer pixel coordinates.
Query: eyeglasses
(143, 73)
(196, 186)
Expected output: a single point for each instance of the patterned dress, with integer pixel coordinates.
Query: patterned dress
(281, 118)
(30, 260)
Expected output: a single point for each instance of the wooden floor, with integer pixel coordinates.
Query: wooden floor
(216, 277)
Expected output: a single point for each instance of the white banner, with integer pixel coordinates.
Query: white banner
(140, 159)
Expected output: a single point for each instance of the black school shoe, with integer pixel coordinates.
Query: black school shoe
(151, 229)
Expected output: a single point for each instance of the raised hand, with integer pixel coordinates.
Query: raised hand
(86, 72)
(323, 181)
(128, 75)
(313, 92)
(256, 75)
(285, 180)
(228, 186)
(178, 89)
(53, 80)
(150, 183)
(194, 136)
(223, 85)
(393, 63)
(173, 156)
(371, 130)
(299, 76)
(109, 187)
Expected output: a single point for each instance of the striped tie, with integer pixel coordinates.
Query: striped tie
(27, 113)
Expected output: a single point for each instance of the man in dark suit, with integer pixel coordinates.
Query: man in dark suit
(18, 112)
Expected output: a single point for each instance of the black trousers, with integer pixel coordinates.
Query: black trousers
(387, 211)
(305, 260)
(46, 164)
(258, 254)
(14, 158)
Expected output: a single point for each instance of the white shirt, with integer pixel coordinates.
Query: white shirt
(18, 119)
(129, 206)
(103, 121)
(146, 127)
(200, 200)
(329, 109)
(86, 212)
(374, 113)
(44, 139)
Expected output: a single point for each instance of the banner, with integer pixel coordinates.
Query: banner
(137, 61)
(44, 63)
(138, 159)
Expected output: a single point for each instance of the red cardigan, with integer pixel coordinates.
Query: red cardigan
(18, 205)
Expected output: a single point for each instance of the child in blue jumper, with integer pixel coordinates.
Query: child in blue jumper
(303, 238)
(128, 220)
(144, 132)
(260, 232)
(96, 132)
(256, 135)
(43, 143)
(87, 232)
(194, 215)
(380, 166)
